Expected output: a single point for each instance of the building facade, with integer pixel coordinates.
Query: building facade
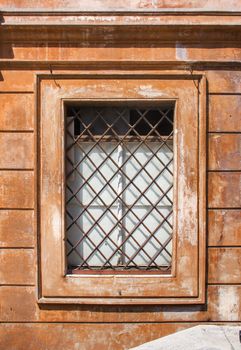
(120, 171)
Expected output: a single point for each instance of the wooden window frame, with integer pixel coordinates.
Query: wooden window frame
(186, 282)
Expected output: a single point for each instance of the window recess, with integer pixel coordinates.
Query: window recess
(119, 188)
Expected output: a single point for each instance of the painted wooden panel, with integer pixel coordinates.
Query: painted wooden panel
(225, 113)
(224, 227)
(18, 304)
(225, 151)
(224, 265)
(220, 81)
(224, 303)
(82, 336)
(16, 228)
(16, 189)
(224, 190)
(17, 150)
(17, 111)
(17, 266)
(13, 81)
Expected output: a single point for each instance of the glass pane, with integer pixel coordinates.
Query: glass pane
(149, 174)
(95, 248)
(150, 232)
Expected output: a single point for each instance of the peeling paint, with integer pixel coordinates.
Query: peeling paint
(187, 220)
(228, 308)
(55, 222)
(148, 91)
(181, 52)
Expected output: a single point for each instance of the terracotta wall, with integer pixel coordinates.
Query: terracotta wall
(27, 325)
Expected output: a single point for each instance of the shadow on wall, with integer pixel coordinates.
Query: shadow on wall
(6, 50)
(130, 309)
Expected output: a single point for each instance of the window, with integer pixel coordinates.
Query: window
(121, 189)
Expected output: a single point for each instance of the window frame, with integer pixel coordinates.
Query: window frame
(183, 285)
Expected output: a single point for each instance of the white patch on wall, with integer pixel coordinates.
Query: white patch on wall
(148, 91)
(56, 222)
(187, 230)
(181, 52)
(228, 301)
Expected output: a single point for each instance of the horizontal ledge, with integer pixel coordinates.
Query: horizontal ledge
(121, 301)
(75, 272)
(188, 66)
(224, 208)
(224, 170)
(16, 209)
(223, 284)
(17, 285)
(114, 23)
(237, 209)
(17, 248)
(17, 169)
(15, 131)
(118, 11)
(189, 321)
(220, 247)
(110, 74)
(224, 132)
(15, 92)
(225, 94)
(117, 68)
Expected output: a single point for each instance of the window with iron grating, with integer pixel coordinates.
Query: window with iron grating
(119, 187)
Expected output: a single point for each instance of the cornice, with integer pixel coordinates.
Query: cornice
(119, 35)
(120, 28)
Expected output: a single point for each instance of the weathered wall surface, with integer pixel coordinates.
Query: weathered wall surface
(27, 325)
(125, 5)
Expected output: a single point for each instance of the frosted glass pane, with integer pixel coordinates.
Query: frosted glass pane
(96, 236)
(150, 234)
(97, 179)
(142, 178)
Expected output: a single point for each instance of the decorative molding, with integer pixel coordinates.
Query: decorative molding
(126, 28)
(57, 287)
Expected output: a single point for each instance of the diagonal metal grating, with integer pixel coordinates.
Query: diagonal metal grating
(119, 182)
